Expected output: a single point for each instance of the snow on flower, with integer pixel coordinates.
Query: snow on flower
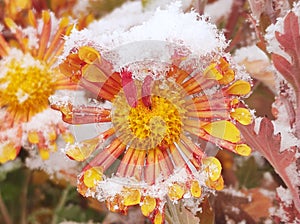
(171, 89)
(27, 79)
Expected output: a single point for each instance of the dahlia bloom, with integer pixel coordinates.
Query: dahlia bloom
(27, 79)
(171, 94)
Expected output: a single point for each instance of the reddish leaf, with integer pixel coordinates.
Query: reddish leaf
(268, 145)
(289, 41)
(285, 68)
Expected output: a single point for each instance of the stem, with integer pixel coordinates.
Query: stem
(61, 203)
(4, 212)
(23, 197)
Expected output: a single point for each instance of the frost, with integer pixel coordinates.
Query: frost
(53, 166)
(293, 174)
(287, 134)
(131, 13)
(184, 30)
(25, 61)
(33, 40)
(257, 124)
(273, 45)
(285, 196)
(41, 120)
(233, 192)
(163, 4)
(114, 185)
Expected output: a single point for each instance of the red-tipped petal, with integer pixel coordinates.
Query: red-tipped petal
(129, 88)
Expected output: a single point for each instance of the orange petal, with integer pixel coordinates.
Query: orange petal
(176, 192)
(92, 175)
(239, 88)
(45, 35)
(195, 189)
(83, 150)
(8, 152)
(131, 197)
(223, 130)
(88, 54)
(44, 153)
(242, 115)
(243, 150)
(148, 205)
(93, 73)
(158, 218)
(213, 167)
(33, 137)
(211, 72)
(150, 167)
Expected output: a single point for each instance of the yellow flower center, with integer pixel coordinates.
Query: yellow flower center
(25, 89)
(144, 127)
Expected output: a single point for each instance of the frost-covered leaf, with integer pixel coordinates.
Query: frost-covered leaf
(261, 201)
(269, 144)
(286, 212)
(289, 41)
(229, 208)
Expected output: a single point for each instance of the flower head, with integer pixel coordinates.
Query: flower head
(28, 78)
(168, 98)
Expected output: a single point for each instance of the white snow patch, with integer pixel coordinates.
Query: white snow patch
(218, 9)
(163, 4)
(171, 26)
(282, 126)
(57, 162)
(115, 185)
(121, 19)
(293, 174)
(285, 196)
(250, 53)
(42, 119)
(31, 34)
(257, 124)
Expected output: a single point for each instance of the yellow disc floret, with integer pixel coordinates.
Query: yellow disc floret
(145, 127)
(161, 122)
(25, 89)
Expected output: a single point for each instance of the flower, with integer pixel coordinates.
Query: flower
(165, 100)
(27, 79)
(17, 10)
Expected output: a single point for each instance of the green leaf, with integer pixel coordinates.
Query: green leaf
(249, 174)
